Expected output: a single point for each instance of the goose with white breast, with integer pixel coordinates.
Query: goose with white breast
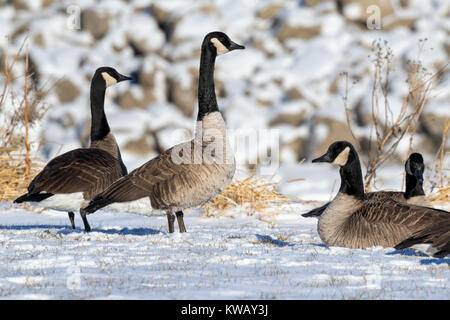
(191, 173)
(70, 180)
(414, 193)
(353, 221)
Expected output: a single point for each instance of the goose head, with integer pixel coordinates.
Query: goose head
(219, 43)
(110, 76)
(340, 153)
(414, 166)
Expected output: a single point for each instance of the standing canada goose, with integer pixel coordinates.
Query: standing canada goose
(353, 221)
(193, 172)
(73, 178)
(413, 194)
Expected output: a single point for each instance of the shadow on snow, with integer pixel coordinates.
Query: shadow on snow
(270, 240)
(64, 229)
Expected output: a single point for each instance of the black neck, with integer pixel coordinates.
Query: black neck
(413, 187)
(99, 124)
(351, 177)
(206, 93)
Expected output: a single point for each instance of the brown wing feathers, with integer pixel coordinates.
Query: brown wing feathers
(139, 183)
(82, 170)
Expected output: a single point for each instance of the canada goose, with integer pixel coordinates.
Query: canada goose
(73, 178)
(413, 194)
(353, 221)
(193, 172)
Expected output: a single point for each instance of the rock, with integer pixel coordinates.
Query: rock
(47, 3)
(136, 98)
(304, 32)
(183, 97)
(433, 125)
(66, 90)
(270, 11)
(357, 10)
(294, 94)
(336, 130)
(141, 146)
(161, 15)
(39, 39)
(396, 22)
(21, 4)
(95, 22)
(298, 147)
(447, 48)
(313, 3)
(289, 118)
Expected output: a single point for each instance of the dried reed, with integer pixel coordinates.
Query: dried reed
(255, 195)
(13, 177)
(439, 180)
(17, 167)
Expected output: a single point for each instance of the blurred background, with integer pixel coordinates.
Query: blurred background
(315, 70)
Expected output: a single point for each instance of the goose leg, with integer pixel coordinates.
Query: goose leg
(171, 220)
(72, 219)
(180, 221)
(83, 216)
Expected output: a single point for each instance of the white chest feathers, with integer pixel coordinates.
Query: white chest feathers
(335, 216)
(211, 134)
(63, 202)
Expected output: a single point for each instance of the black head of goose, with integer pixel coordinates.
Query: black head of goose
(353, 221)
(101, 137)
(414, 194)
(193, 172)
(73, 178)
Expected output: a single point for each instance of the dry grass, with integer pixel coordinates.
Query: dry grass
(255, 195)
(440, 181)
(441, 195)
(13, 180)
(18, 113)
(389, 129)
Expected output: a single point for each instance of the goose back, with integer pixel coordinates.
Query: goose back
(85, 170)
(353, 223)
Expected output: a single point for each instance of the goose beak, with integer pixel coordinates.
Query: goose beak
(123, 78)
(234, 46)
(324, 158)
(419, 176)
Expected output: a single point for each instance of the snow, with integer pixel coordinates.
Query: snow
(233, 256)
(133, 257)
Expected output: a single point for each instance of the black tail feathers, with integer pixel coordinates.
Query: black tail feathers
(97, 203)
(35, 197)
(316, 212)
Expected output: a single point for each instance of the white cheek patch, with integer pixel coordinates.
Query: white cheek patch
(342, 158)
(108, 79)
(221, 49)
(408, 167)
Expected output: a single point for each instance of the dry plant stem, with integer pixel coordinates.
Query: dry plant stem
(389, 135)
(17, 165)
(387, 130)
(438, 160)
(347, 110)
(27, 143)
(254, 195)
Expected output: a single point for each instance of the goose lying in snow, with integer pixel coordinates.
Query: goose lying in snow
(351, 220)
(70, 180)
(193, 172)
(414, 194)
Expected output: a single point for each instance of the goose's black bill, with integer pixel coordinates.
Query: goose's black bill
(324, 158)
(123, 78)
(419, 175)
(234, 46)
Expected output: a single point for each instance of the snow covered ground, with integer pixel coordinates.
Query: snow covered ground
(129, 256)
